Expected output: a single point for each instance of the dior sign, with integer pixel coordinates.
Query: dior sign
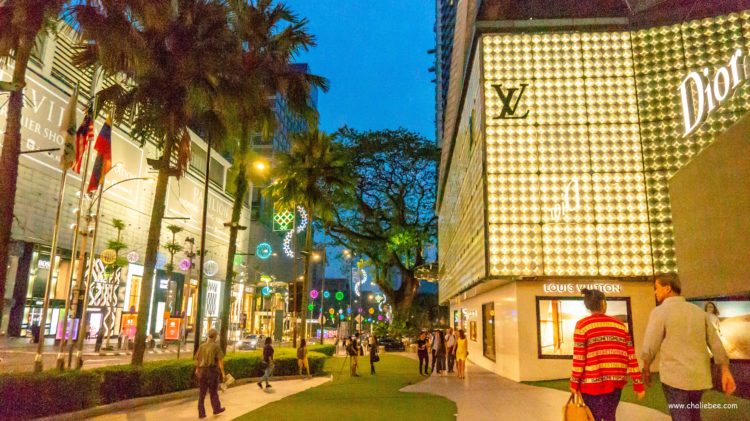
(702, 94)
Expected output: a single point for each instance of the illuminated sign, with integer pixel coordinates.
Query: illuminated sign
(562, 208)
(701, 94)
(571, 288)
(508, 111)
(211, 268)
(133, 257)
(43, 264)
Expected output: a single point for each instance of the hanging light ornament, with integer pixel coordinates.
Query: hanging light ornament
(301, 227)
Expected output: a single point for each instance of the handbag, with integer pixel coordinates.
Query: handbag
(228, 380)
(375, 358)
(576, 410)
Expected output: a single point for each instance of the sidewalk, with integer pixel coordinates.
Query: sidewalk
(486, 396)
(237, 400)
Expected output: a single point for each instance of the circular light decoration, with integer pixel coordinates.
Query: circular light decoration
(210, 268)
(339, 296)
(263, 251)
(266, 291)
(349, 310)
(310, 306)
(185, 264)
(341, 316)
(371, 310)
(380, 317)
(326, 294)
(314, 294)
(108, 256)
(341, 311)
(301, 227)
(331, 311)
(359, 310)
(133, 257)
(378, 298)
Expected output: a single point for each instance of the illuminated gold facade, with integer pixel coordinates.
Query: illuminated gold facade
(578, 133)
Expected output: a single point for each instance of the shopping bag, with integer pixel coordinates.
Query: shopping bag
(576, 409)
(228, 380)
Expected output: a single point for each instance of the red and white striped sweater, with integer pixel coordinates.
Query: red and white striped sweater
(603, 356)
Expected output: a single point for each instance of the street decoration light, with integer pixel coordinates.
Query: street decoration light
(263, 251)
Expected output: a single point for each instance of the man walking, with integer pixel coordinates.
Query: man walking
(434, 345)
(422, 354)
(683, 333)
(267, 363)
(209, 369)
(450, 348)
(352, 350)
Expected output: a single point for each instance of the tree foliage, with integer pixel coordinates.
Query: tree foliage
(390, 216)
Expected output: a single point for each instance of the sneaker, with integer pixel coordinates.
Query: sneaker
(219, 411)
(268, 386)
(260, 385)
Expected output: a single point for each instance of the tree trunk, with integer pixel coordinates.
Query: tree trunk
(306, 272)
(239, 196)
(9, 161)
(152, 247)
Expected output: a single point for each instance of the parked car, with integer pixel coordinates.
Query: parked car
(391, 344)
(250, 342)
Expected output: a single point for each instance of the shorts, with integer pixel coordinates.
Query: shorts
(303, 363)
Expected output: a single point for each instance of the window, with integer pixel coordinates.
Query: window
(557, 317)
(216, 173)
(488, 330)
(198, 159)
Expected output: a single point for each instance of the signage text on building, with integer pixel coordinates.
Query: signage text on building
(702, 94)
(509, 111)
(576, 288)
(569, 203)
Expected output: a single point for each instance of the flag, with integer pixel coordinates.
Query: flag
(103, 163)
(68, 129)
(84, 135)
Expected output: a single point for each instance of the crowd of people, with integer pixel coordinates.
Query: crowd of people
(447, 349)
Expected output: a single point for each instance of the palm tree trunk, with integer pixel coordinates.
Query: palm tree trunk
(241, 188)
(306, 277)
(152, 247)
(9, 161)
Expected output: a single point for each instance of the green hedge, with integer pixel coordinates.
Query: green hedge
(326, 349)
(29, 395)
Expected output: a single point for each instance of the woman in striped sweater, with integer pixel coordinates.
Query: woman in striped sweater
(603, 356)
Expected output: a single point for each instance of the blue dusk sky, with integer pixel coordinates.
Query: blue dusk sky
(374, 54)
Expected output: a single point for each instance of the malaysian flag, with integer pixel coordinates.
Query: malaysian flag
(84, 135)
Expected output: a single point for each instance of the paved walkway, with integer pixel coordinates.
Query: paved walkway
(237, 400)
(484, 395)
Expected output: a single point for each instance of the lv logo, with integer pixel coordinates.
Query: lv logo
(506, 97)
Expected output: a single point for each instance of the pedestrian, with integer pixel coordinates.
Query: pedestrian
(433, 347)
(422, 344)
(88, 332)
(462, 353)
(450, 349)
(373, 343)
(440, 353)
(268, 363)
(603, 356)
(209, 369)
(353, 351)
(683, 333)
(302, 358)
(99, 339)
(35, 330)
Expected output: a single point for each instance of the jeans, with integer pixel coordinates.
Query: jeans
(691, 399)
(423, 359)
(434, 360)
(440, 362)
(603, 407)
(267, 374)
(451, 358)
(209, 382)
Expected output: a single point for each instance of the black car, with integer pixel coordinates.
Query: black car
(391, 344)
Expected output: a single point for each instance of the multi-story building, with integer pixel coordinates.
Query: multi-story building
(129, 197)
(570, 160)
(445, 22)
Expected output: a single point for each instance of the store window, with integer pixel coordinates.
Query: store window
(135, 293)
(488, 330)
(557, 317)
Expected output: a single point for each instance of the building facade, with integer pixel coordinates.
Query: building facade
(129, 197)
(558, 152)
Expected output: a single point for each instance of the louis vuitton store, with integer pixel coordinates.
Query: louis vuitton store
(571, 166)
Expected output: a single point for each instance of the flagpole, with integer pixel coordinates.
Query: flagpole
(79, 270)
(89, 280)
(38, 363)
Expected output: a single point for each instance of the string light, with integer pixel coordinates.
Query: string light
(287, 245)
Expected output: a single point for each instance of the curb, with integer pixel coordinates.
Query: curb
(149, 400)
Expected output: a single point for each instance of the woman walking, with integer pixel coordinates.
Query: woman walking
(302, 358)
(603, 356)
(373, 353)
(462, 352)
(267, 363)
(440, 353)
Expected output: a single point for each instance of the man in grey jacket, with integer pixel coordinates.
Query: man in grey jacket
(683, 334)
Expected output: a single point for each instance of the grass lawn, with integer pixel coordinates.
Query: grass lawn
(362, 398)
(655, 399)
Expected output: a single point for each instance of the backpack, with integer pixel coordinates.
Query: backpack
(300, 353)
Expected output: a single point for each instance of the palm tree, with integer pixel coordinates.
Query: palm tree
(21, 22)
(271, 36)
(175, 59)
(315, 170)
